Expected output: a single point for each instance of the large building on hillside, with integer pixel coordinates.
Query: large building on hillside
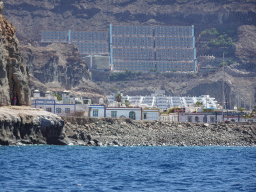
(144, 48)
(137, 48)
(163, 102)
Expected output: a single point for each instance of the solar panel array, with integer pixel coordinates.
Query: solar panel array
(133, 54)
(132, 42)
(134, 65)
(92, 48)
(146, 48)
(89, 36)
(174, 54)
(132, 31)
(136, 47)
(87, 42)
(166, 42)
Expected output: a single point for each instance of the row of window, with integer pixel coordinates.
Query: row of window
(212, 119)
(58, 110)
(114, 114)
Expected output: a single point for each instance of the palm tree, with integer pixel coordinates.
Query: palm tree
(119, 97)
(198, 104)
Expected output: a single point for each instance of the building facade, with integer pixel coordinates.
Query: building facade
(127, 112)
(54, 107)
(159, 48)
(97, 111)
(164, 102)
(150, 114)
(137, 48)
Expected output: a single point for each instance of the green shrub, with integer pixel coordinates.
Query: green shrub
(212, 31)
(58, 97)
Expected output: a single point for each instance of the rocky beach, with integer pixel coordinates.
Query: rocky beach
(127, 132)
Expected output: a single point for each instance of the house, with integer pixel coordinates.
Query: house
(50, 103)
(150, 114)
(128, 112)
(97, 111)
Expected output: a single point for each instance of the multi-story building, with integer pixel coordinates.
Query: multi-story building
(165, 102)
(137, 48)
(145, 48)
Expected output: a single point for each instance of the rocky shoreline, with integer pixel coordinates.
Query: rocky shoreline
(127, 132)
(26, 126)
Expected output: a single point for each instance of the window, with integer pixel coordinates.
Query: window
(145, 115)
(132, 115)
(189, 119)
(205, 119)
(58, 110)
(196, 119)
(95, 113)
(113, 113)
(67, 110)
(212, 119)
(49, 109)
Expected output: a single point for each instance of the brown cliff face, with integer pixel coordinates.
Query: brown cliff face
(32, 16)
(245, 47)
(56, 63)
(14, 79)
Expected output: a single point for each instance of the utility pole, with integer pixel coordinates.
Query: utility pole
(223, 82)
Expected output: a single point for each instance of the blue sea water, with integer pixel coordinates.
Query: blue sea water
(78, 168)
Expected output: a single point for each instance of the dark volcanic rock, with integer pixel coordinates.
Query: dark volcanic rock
(30, 126)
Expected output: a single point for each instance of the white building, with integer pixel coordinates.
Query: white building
(97, 111)
(54, 107)
(128, 112)
(65, 107)
(163, 102)
(150, 114)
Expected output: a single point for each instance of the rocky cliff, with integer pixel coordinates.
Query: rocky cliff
(32, 16)
(246, 47)
(57, 67)
(14, 79)
(23, 125)
(57, 63)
